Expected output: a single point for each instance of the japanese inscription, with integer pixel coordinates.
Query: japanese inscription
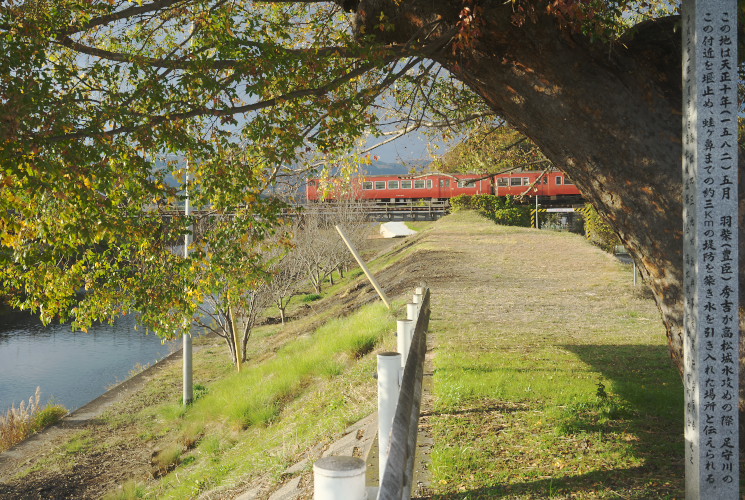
(711, 337)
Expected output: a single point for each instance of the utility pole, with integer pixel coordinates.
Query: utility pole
(188, 395)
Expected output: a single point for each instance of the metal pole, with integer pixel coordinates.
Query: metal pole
(188, 392)
(363, 266)
(389, 367)
(537, 223)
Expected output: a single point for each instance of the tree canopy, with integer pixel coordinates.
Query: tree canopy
(93, 93)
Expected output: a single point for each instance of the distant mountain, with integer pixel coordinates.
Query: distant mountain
(386, 168)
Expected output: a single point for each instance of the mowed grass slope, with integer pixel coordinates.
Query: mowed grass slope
(552, 375)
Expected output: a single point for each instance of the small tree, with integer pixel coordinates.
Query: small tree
(230, 287)
(320, 248)
(286, 269)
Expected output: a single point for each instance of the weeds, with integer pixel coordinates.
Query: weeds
(19, 423)
(311, 297)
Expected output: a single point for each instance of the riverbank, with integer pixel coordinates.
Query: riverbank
(35, 446)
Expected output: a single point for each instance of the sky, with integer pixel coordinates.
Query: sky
(411, 147)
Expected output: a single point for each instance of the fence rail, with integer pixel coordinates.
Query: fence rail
(399, 399)
(397, 479)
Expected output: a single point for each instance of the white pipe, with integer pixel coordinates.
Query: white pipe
(404, 327)
(419, 290)
(412, 311)
(339, 478)
(389, 366)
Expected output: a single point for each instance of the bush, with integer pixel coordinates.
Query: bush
(499, 209)
(51, 414)
(598, 231)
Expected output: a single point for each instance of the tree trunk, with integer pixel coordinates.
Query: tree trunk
(608, 114)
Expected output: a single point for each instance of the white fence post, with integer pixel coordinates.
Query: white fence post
(339, 478)
(412, 311)
(389, 367)
(417, 299)
(404, 330)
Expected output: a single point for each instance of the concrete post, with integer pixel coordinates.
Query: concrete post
(339, 478)
(389, 367)
(710, 248)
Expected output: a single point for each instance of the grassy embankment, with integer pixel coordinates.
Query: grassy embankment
(304, 382)
(552, 375)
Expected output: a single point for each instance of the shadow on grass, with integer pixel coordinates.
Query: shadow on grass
(639, 393)
(617, 482)
(504, 407)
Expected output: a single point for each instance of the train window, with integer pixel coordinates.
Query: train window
(429, 183)
(379, 184)
(503, 182)
(567, 180)
(312, 183)
(419, 184)
(405, 184)
(445, 183)
(516, 181)
(367, 185)
(464, 183)
(545, 180)
(526, 181)
(558, 180)
(392, 184)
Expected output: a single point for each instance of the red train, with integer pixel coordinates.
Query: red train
(439, 186)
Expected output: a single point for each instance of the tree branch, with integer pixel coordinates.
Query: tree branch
(256, 106)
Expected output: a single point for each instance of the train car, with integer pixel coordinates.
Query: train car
(441, 186)
(554, 183)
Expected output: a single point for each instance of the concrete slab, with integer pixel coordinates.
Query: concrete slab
(395, 230)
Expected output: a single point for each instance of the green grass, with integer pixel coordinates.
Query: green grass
(255, 422)
(419, 226)
(561, 385)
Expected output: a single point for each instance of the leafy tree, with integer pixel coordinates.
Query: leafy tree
(491, 150)
(230, 283)
(92, 91)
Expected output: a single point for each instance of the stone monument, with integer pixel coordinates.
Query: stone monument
(710, 174)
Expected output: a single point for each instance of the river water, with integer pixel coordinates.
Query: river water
(71, 368)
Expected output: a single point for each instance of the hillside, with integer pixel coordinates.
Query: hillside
(551, 378)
